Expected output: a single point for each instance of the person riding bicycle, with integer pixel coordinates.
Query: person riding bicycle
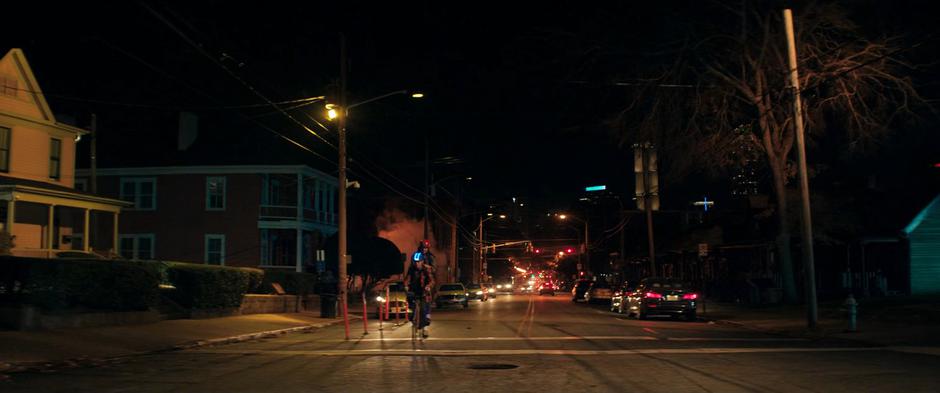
(419, 280)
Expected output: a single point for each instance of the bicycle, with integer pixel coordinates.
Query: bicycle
(416, 320)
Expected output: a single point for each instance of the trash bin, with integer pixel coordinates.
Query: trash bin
(328, 305)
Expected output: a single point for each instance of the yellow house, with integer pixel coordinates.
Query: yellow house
(38, 201)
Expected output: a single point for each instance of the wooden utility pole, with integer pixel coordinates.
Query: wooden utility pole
(808, 263)
(341, 226)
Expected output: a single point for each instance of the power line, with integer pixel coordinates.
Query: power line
(244, 83)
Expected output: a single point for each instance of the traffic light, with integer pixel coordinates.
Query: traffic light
(569, 250)
(538, 250)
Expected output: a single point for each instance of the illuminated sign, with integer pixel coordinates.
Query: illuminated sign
(595, 188)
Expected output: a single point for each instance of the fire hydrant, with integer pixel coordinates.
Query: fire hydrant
(851, 308)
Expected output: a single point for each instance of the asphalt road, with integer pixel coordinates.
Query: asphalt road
(514, 343)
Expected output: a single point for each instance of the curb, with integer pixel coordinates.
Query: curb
(807, 336)
(49, 366)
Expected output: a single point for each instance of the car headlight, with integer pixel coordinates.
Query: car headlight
(500, 286)
(491, 290)
(466, 294)
(479, 292)
(380, 299)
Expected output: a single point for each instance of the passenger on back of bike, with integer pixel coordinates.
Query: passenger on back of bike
(419, 281)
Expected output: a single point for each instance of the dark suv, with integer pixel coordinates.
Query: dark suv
(580, 287)
(662, 296)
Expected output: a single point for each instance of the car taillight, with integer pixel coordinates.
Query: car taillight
(690, 296)
(653, 295)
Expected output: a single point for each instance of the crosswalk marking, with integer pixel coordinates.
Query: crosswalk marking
(580, 338)
(521, 352)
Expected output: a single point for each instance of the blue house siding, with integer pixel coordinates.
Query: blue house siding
(924, 236)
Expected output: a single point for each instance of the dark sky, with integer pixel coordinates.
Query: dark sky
(497, 79)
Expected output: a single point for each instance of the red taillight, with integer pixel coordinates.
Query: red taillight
(690, 296)
(653, 295)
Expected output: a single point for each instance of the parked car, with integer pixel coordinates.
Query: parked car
(476, 292)
(396, 297)
(618, 300)
(598, 292)
(662, 296)
(452, 294)
(73, 254)
(504, 287)
(580, 287)
(547, 288)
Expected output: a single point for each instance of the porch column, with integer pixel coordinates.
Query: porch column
(11, 213)
(50, 232)
(300, 219)
(114, 236)
(86, 235)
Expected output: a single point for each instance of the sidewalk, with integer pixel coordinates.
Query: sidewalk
(898, 321)
(69, 347)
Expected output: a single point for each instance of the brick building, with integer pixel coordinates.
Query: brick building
(271, 216)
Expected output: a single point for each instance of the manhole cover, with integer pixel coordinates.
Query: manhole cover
(492, 366)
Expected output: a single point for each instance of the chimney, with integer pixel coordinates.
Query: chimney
(188, 130)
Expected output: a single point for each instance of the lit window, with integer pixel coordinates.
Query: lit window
(215, 193)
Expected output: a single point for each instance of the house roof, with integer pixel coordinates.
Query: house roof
(932, 208)
(64, 194)
(24, 73)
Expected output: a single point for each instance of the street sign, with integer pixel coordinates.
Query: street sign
(703, 249)
(706, 203)
(595, 188)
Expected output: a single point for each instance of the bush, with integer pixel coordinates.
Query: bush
(208, 286)
(75, 283)
(294, 283)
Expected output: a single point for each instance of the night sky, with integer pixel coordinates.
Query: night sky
(503, 86)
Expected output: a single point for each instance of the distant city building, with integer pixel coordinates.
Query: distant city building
(744, 180)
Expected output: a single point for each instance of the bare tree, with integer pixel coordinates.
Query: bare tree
(851, 84)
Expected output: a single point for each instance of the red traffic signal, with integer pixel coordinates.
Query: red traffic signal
(569, 250)
(538, 250)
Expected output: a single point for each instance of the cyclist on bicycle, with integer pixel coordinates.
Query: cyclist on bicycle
(419, 280)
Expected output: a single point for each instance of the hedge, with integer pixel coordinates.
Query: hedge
(294, 283)
(53, 284)
(208, 286)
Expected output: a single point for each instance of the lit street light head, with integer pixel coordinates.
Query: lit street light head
(331, 112)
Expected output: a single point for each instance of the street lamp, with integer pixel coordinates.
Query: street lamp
(340, 113)
(490, 216)
(587, 250)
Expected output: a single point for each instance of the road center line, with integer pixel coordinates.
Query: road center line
(519, 352)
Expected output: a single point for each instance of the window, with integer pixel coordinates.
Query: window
(215, 249)
(9, 86)
(55, 158)
(142, 192)
(215, 193)
(4, 149)
(139, 246)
